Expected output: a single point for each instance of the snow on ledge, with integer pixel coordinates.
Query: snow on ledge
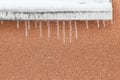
(55, 5)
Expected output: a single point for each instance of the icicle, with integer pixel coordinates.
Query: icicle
(26, 29)
(98, 24)
(76, 29)
(87, 24)
(112, 22)
(18, 24)
(36, 25)
(1, 22)
(40, 27)
(48, 25)
(64, 32)
(70, 25)
(104, 24)
(29, 25)
(58, 29)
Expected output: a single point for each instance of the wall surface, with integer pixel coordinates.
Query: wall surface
(95, 55)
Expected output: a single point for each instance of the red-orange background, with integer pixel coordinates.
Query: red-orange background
(95, 55)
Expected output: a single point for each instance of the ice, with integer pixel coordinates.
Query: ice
(48, 25)
(24, 9)
(40, 27)
(63, 31)
(76, 29)
(70, 27)
(112, 22)
(26, 29)
(55, 5)
(29, 25)
(18, 24)
(58, 29)
(98, 23)
(87, 24)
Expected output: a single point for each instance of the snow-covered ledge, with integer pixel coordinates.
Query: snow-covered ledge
(56, 10)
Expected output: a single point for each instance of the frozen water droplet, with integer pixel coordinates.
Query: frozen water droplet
(40, 26)
(36, 25)
(26, 29)
(64, 31)
(70, 25)
(48, 25)
(87, 24)
(98, 24)
(58, 29)
(76, 29)
(1, 22)
(104, 24)
(29, 25)
(18, 24)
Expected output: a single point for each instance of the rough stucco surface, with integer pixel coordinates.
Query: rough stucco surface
(95, 55)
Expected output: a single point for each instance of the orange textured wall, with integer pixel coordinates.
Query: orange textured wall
(95, 55)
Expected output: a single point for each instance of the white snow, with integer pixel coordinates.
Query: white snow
(54, 5)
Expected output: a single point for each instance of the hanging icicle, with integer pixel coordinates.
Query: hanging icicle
(58, 29)
(48, 25)
(70, 26)
(98, 23)
(18, 24)
(87, 24)
(64, 32)
(76, 30)
(29, 25)
(26, 28)
(40, 27)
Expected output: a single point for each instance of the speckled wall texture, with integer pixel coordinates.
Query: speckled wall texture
(95, 55)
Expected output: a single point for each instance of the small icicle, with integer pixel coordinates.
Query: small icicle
(112, 22)
(58, 29)
(29, 25)
(1, 22)
(87, 24)
(70, 25)
(26, 29)
(104, 24)
(36, 25)
(40, 27)
(64, 32)
(18, 24)
(98, 23)
(48, 25)
(76, 30)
